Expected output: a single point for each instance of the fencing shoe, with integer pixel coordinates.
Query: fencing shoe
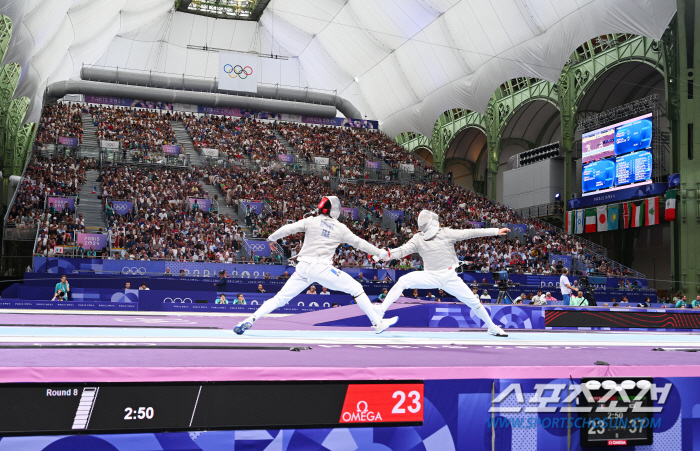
(242, 327)
(385, 324)
(497, 331)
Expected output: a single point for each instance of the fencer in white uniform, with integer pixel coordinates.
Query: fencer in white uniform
(323, 234)
(435, 245)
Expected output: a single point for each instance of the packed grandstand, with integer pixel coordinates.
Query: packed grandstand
(161, 225)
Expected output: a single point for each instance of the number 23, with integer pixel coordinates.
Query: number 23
(413, 408)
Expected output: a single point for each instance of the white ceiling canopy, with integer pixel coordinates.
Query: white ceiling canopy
(403, 62)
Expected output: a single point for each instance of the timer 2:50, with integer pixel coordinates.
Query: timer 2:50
(142, 413)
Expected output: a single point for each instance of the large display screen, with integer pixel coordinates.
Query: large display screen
(617, 156)
(139, 407)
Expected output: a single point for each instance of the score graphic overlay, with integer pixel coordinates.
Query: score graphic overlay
(33, 409)
(621, 413)
(617, 156)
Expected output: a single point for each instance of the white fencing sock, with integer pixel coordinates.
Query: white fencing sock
(364, 303)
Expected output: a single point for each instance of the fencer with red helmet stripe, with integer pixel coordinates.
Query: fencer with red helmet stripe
(330, 205)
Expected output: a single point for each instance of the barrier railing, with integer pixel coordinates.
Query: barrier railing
(537, 211)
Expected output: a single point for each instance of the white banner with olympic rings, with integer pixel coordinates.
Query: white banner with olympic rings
(238, 72)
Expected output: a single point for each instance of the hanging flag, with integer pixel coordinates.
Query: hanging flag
(580, 219)
(602, 217)
(613, 216)
(651, 205)
(627, 210)
(670, 213)
(637, 213)
(570, 221)
(590, 220)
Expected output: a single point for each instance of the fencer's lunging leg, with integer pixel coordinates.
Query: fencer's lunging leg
(295, 285)
(391, 297)
(456, 287)
(416, 279)
(336, 279)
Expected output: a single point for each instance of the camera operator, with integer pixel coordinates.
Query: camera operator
(565, 285)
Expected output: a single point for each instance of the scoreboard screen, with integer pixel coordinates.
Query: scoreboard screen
(617, 156)
(619, 412)
(32, 409)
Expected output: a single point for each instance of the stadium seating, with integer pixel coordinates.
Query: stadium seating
(60, 119)
(163, 227)
(137, 129)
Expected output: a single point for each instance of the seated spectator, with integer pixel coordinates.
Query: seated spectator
(239, 299)
(311, 290)
(539, 299)
(485, 297)
(430, 296)
(144, 287)
(549, 297)
(222, 299)
(647, 302)
(382, 295)
(284, 276)
(696, 302)
(577, 299)
(680, 303)
(261, 289)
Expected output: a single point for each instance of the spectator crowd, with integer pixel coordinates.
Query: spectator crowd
(162, 224)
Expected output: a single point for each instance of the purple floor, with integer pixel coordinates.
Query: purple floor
(117, 362)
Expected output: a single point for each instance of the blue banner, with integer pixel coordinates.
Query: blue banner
(122, 207)
(520, 228)
(653, 189)
(56, 265)
(394, 214)
(261, 248)
(564, 259)
(253, 206)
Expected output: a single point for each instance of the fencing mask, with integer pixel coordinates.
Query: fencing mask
(428, 224)
(330, 205)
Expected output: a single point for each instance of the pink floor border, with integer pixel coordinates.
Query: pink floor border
(202, 374)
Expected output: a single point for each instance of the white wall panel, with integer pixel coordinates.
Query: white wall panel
(414, 58)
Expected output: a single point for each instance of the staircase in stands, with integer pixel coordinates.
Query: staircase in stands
(183, 138)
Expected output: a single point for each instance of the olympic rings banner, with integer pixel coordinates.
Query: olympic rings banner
(254, 206)
(238, 72)
(122, 207)
(394, 214)
(261, 248)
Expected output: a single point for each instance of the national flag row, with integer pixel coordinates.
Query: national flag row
(616, 216)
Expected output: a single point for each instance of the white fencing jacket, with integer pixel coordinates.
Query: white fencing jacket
(439, 253)
(323, 235)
